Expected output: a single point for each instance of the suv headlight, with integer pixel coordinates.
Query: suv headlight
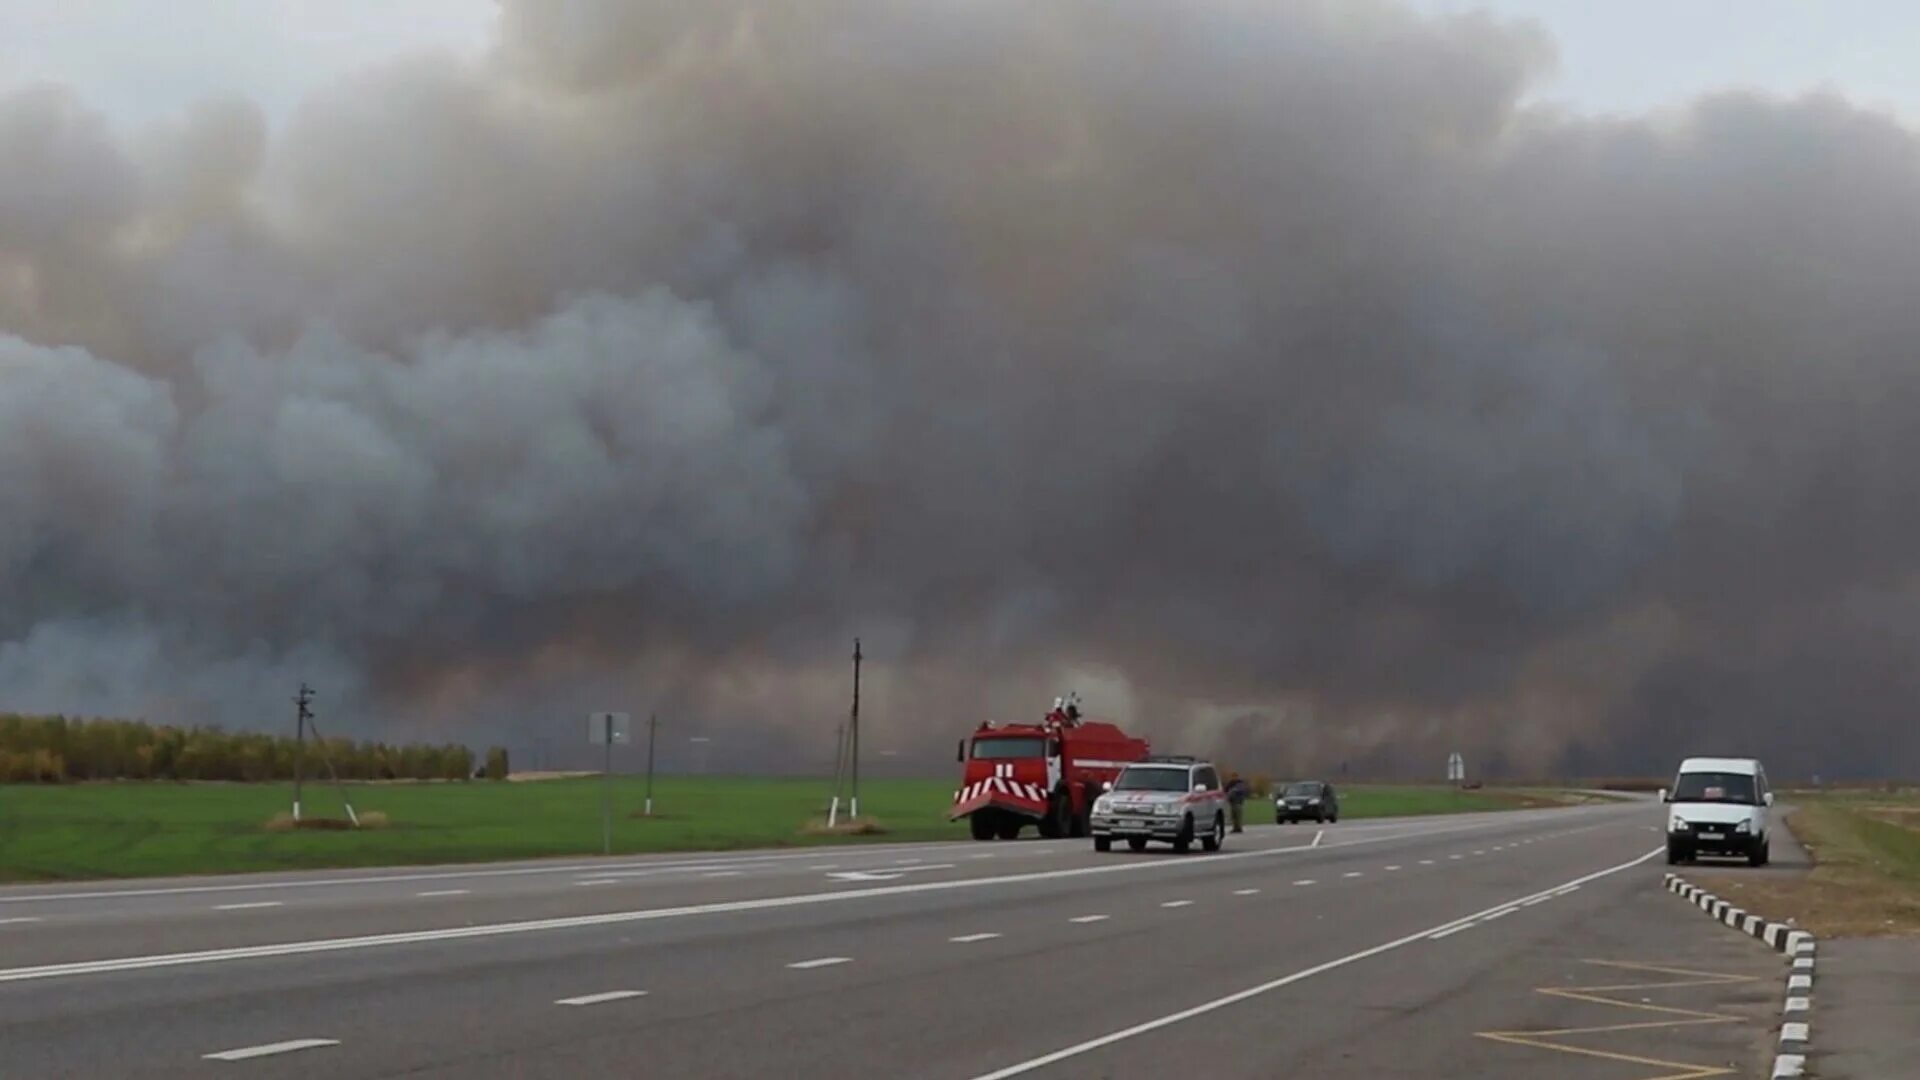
(1315, 801)
(1102, 805)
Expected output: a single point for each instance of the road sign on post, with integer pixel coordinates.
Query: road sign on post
(653, 723)
(609, 728)
(604, 729)
(1456, 768)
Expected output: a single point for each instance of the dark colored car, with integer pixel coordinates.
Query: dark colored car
(1306, 799)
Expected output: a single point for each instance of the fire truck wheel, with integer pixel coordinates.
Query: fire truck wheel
(1137, 843)
(1010, 829)
(1216, 835)
(981, 825)
(1103, 843)
(1185, 840)
(1059, 819)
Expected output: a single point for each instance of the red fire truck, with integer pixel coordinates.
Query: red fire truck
(1046, 774)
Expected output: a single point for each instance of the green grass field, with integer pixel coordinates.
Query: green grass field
(54, 832)
(1866, 876)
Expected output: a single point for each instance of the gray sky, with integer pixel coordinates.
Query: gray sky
(1621, 55)
(140, 60)
(1635, 55)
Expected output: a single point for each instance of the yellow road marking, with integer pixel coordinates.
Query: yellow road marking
(1679, 1017)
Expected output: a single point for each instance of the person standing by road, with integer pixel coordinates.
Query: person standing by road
(1237, 792)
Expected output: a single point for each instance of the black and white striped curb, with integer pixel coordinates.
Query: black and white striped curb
(1796, 1014)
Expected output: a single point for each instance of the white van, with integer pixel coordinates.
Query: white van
(1718, 806)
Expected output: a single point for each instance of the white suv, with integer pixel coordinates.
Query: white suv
(1718, 806)
(1175, 800)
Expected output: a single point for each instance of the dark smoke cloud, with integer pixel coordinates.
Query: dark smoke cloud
(1268, 372)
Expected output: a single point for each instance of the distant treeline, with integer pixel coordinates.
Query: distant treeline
(54, 749)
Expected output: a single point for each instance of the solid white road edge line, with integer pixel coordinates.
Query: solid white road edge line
(20, 919)
(1449, 930)
(1487, 820)
(270, 1049)
(595, 999)
(1267, 987)
(824, 961)
(628, 869)
(570, 922)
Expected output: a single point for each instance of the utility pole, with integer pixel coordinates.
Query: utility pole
(606, 791)
(300, 718)
(320, 744)
(652, 723)
(839, 773)
(853, 731)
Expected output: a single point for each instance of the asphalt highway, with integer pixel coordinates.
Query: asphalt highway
(961, 960)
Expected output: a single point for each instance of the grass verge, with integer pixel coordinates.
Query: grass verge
(1865, 881)
(127, 829)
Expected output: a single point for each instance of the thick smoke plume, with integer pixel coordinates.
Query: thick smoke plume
(1267, 372)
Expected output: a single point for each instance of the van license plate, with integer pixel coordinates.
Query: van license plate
(1713, 836)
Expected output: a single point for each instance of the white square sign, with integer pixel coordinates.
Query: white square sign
(603, 727)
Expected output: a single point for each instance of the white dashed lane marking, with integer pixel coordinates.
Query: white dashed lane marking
(244, 907)
(1306, 881)
(1351, 873)
(599, 881)
(596, 999)
(20, 919)
(444, 892)
(724, 873)
(1088, 918)
(1245, 892)
(824, 961)
(270, 1049)
(1177, 903)
(1393, 868)
(968, 939)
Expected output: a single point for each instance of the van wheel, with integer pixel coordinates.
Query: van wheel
(1758, 856)
(1673, 855)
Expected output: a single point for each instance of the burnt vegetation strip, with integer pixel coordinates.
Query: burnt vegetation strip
(58, 749)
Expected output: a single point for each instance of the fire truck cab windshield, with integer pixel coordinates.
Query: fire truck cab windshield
(1010, 747)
